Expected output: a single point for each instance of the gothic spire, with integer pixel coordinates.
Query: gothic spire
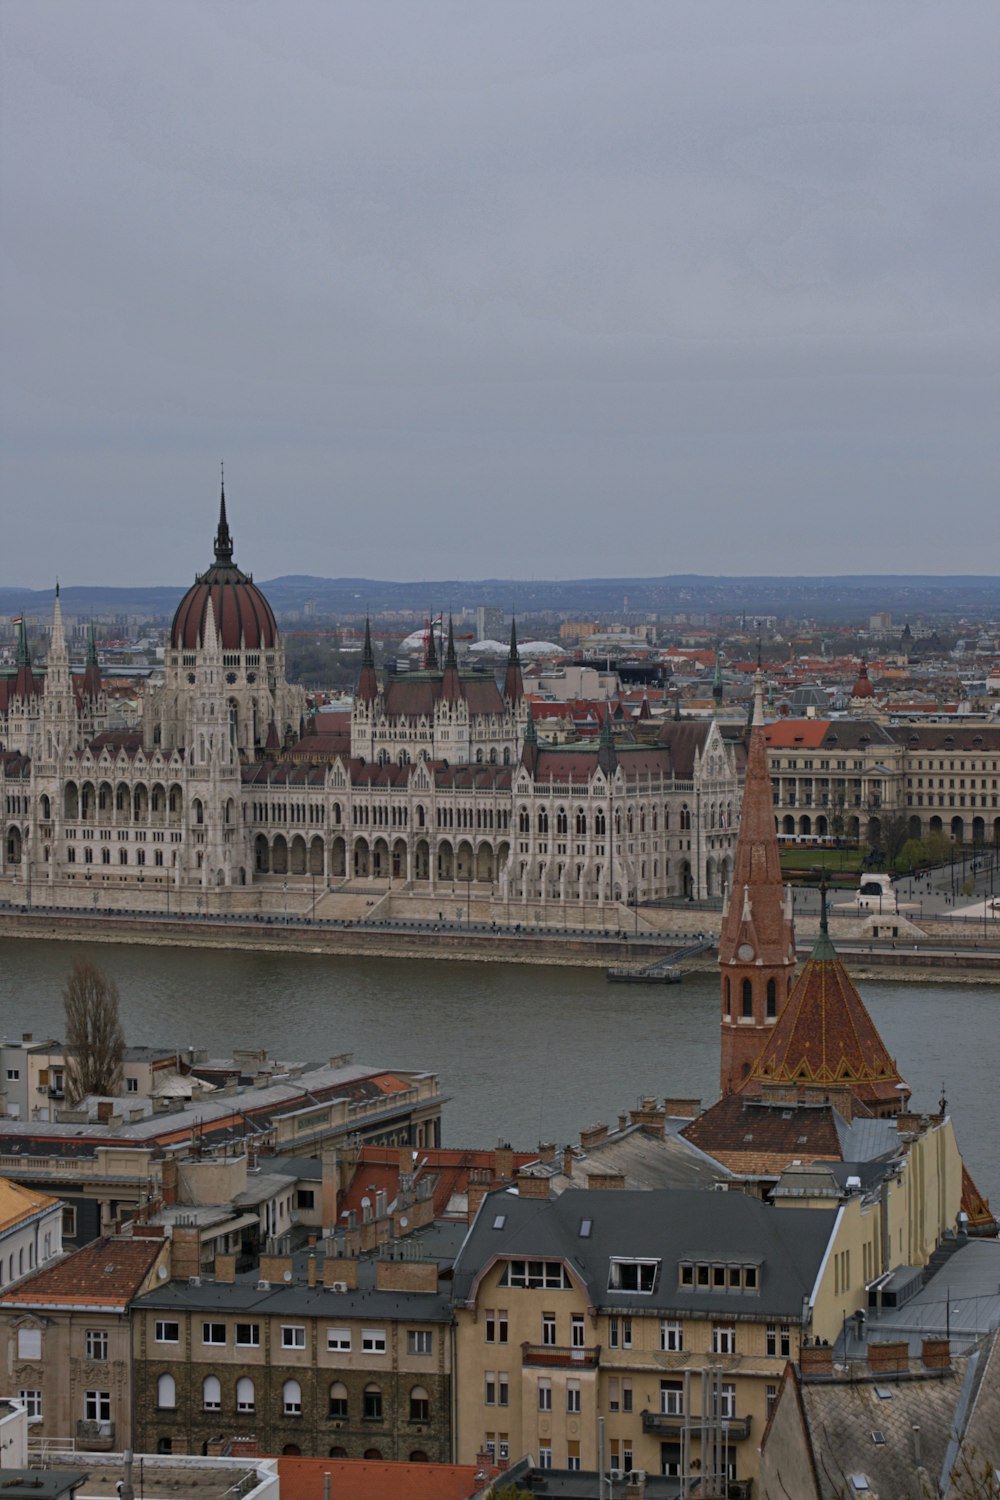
(513, 683)
(450, 659)
(223, 539)
(430, 652)
(368, 682)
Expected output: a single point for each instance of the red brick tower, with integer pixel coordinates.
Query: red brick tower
(757, 941)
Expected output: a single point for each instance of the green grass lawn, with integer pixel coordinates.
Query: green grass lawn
(804, 865)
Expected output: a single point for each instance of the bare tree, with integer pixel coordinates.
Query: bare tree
(95, 1042)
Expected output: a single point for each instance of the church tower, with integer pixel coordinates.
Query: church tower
(757, 941)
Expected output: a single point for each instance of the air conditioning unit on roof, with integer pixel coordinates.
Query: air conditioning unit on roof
(263, 1286)
(338, 1286)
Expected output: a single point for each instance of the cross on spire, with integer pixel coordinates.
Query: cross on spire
(223, 539)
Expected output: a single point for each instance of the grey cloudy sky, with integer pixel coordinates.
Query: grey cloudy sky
(525, 289)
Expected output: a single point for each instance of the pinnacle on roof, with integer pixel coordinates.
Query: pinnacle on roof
(450, 659)
(513, 683)
(92, 670)
(607, 757)
(368, 682)
(23, 655)
(430, 651)
(223, 539)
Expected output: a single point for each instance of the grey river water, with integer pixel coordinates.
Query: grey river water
(524, 1053)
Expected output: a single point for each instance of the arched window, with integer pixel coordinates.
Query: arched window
(291, 1398)
(373, 1404)
(523, 822)
(338, 1401)
(338, 1452)
(166, 1393)
(772, 999)
(244, 1394)
(747, 997)
(726, 992)
(600, 824)
(211, 1393)
(561, 826)
(374, 1455)
(420, 1405)
(543, 820)
(581, 823)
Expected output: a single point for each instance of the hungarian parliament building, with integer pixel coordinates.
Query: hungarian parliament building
(437, 780)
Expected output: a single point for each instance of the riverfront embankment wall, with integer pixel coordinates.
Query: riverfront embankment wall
(964, 957)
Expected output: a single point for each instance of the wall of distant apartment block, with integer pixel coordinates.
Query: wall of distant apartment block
(319, 1429)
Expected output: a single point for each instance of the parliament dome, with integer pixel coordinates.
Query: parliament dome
(243, 617)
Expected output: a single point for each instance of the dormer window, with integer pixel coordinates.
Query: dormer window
(633, 1275)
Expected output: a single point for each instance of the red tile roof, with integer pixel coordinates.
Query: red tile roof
(363, 1479)
(107, 1273)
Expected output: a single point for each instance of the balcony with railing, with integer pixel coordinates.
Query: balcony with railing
(672, 1424)
(560, 1356)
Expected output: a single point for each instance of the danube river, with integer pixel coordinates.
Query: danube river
(523, 1053)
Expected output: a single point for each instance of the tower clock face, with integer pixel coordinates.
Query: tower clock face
(744, 951)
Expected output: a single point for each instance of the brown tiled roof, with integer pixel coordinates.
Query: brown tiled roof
(825, 1036)
(751, 1137)
(107, 1273)
(18, 1202)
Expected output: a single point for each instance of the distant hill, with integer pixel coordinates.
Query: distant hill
(847, 597)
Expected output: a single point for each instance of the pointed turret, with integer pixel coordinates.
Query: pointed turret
(513, 682)
(451, 683)
(757, 939)
(430, 652)
(92, 672)
(825, 1038)
(368, 681)
(223, 540)
(607, 756)
(25, 683)
(529, 749)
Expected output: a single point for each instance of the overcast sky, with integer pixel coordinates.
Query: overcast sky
(517, 289)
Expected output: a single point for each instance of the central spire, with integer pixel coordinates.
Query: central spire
(223, 540)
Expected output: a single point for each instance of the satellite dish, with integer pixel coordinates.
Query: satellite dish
(287, 1276)
(366, 1202)
(162, 1273)
(403, 1221)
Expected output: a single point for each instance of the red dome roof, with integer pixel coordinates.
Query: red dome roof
(243, 616)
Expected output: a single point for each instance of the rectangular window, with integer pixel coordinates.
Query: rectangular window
(672, 1398)
(97, 1406)
(338, 1338)
(29, 1343)
(490, 1388)
(305, 1198)
(627, 1394)
(168, 1333)
(723, 1339)
(548, 1328)
(495, 1330)
(573, 1454)
(573, 1395)
(671, 1337)
(784, 1341)
(373, 1340)
(96, 1343)
(576, 1331)
(32, 1404)
(293, 1336)
(626, 1333)
(13, 1074)
(614, 1394)
(535, 1273)
(771, 1339)
(419, 1341)
(771, 1395)
(544, 1394)
(727, 1401)
(131, 1085)
(612, 1333)
(503, 1389)
(213, 1333)
(545, 1455)
(633, 1276)
(248, 1335)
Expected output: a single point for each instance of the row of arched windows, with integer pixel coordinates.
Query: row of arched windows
(338, 1403)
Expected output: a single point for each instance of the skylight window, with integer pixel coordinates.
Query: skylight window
(499, 1221)
(586, 1225)
(883, 1393)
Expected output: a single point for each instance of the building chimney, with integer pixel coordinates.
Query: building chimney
(503, 1163)
(532, 1187)
(816, 1359)
(567, 1162)
(546, 1151)
(311, 1271)
(476, 1193)
(889, 1358)
(593, 1136)
(936, 1354)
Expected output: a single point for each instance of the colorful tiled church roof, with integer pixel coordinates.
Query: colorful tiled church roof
(824, 1036)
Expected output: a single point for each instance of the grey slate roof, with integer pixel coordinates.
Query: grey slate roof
(668, 1225)
(962, 1299)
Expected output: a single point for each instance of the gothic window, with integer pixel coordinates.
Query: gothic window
(581, 822)
(561, 823)
(685, 818)
(772, 998)
(747, 997)
(523, 821)
(543, 820)
(600, 824)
